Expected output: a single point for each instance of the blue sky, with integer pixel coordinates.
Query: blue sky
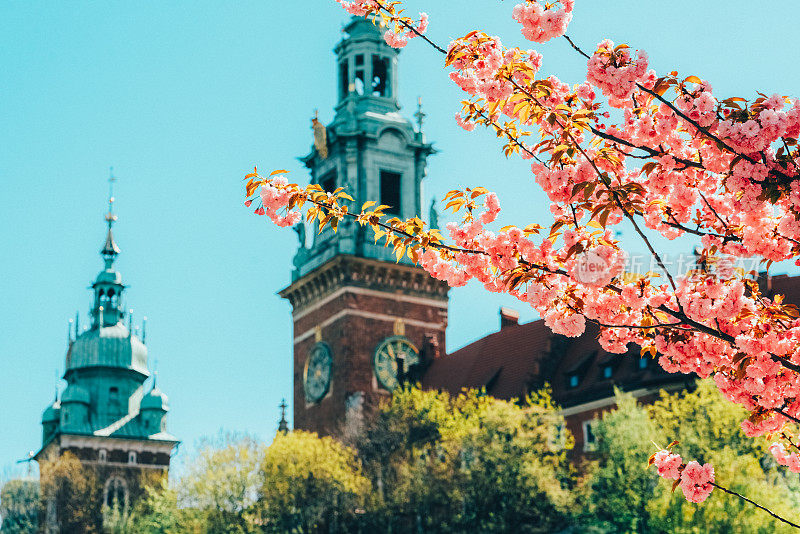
(183, 98)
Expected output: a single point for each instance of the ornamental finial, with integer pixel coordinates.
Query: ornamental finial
(110, 248)
(419, 115)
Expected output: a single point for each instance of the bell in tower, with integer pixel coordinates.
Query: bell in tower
(361, 318)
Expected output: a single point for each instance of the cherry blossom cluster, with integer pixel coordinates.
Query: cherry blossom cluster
(400, 39)
(359, 8)
(397, 37)
(695, 479)
(540, 24)
(476, 70)
(274, 198)
(467, 125)
(616, 73)
(790, 460)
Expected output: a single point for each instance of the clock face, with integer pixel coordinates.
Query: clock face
(317, 374)
(386, 357)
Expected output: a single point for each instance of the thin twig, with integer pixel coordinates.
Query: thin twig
(770, 512)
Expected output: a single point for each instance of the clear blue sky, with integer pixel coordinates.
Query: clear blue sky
(182, 98)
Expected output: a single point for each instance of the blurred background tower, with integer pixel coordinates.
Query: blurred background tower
(111, 415)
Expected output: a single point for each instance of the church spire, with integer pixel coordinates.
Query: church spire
(110, 248)
(283, 424)
(108, 307)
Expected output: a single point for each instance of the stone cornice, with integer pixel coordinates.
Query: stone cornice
(353, 271)
(107, 442)
(87, 441)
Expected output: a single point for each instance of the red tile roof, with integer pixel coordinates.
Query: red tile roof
(506, 362)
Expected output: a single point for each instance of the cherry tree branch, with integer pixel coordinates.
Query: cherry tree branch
(694, 123)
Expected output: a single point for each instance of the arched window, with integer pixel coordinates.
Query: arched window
(115, 493)
(102, 455)
(380, 76)
(132, 457)
(359, 79)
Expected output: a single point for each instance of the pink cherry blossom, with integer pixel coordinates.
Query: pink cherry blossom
(540, 24)
(668, 464)
(696, 481)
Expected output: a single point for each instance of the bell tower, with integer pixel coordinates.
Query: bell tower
(362, 320)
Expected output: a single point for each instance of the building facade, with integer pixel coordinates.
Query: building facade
(111, 416)
(357, 312)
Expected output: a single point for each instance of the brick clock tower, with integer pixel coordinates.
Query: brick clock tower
(362, 321)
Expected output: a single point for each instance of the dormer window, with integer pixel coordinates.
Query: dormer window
(573, 380)
(608, 363)
(576, 372)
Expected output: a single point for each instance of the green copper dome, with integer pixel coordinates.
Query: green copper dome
(52, 413)
(75, 393)
(109, 277)
(155, 400)
(108, 346)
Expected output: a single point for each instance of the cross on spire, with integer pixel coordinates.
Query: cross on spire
(283, 424)
(110, 217)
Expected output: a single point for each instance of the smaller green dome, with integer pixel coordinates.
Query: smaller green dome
(360, 26)
(155, 400)
(52, 413)
(109, 276)
(75, 393)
